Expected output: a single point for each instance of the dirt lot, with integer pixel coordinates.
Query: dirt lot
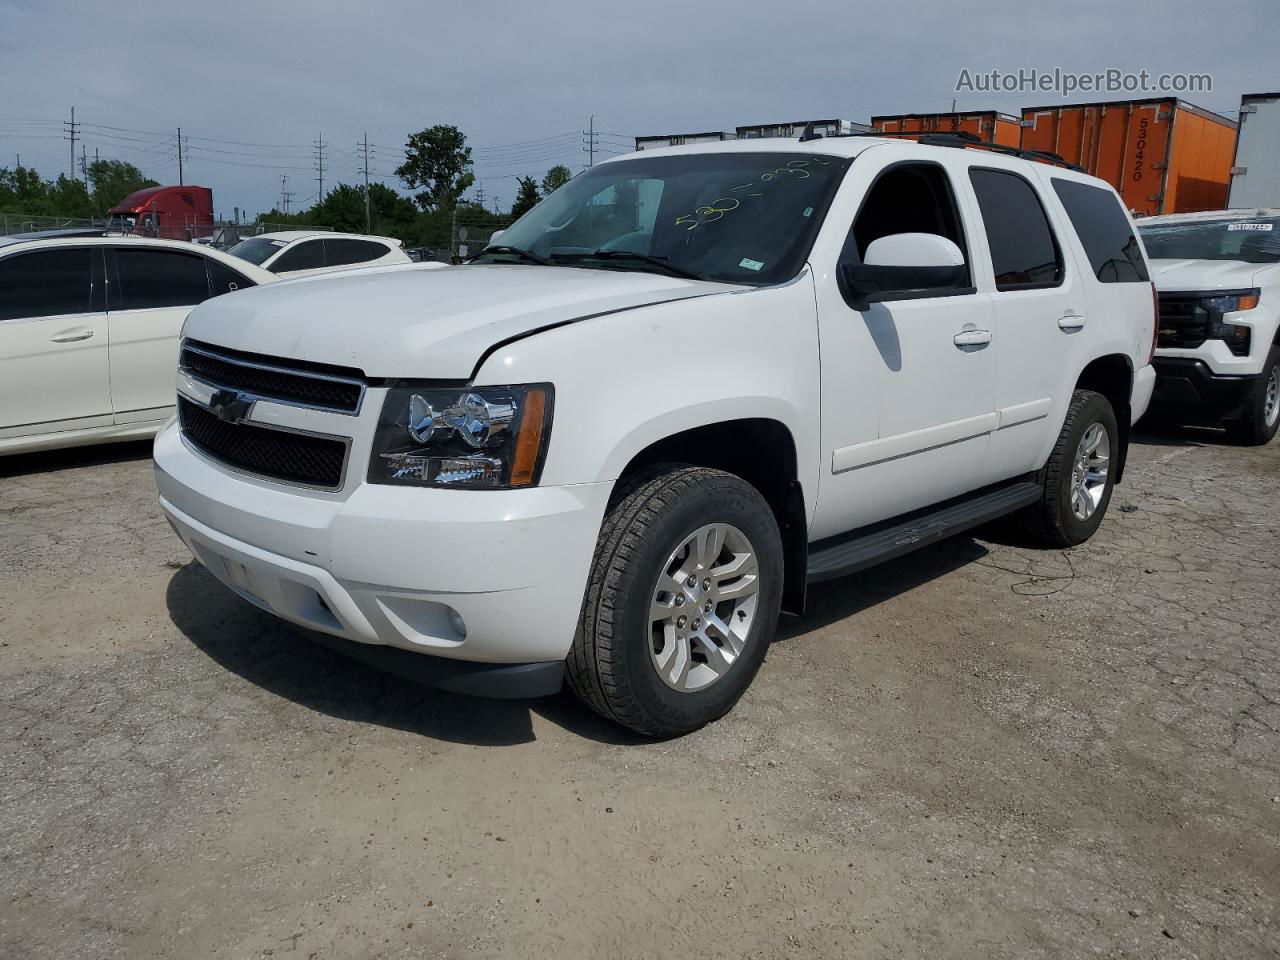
(978, 751)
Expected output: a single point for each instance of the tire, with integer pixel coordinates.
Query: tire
(614, 662)
(1054, 520)
(1262, 411)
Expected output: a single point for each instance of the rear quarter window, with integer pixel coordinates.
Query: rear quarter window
(343, 250)
(1104, 231)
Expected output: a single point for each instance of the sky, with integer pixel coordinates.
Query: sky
(253, 85)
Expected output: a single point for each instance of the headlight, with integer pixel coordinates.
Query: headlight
(1235, 336)
(484, 437)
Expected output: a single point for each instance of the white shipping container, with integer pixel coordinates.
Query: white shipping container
(1255, 175)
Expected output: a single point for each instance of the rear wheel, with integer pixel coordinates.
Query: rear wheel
(1080, 474)
(1262, 411)
(682, 602)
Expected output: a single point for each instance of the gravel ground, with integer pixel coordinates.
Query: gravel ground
(981, 750)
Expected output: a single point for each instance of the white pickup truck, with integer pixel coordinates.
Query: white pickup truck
(1218, 352)
(681, 388)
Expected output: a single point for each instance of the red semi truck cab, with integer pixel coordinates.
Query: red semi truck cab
(173, 213)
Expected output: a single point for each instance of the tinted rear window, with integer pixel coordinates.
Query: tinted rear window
(49, 283)
(1104, 232)
(1024, 252)
(151, 279)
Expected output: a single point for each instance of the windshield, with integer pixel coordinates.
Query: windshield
(256, 249)
(1252, 241)
(732, 217)
(122, 221)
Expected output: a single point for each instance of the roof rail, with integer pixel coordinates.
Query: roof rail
(961, 138)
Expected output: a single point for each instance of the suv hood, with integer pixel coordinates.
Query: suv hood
(423, 323)
(1190, 275)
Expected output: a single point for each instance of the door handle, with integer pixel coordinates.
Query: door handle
(1071, 322)
(972, 338)
(71, 336)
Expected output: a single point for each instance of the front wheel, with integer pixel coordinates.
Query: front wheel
(1262, 412)
(682, 602)
(1080, 474)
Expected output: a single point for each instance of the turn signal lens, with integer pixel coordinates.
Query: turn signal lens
(1248, 301)
(529, 437)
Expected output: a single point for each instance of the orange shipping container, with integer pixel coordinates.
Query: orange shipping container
(1163, 156)
(987, 125)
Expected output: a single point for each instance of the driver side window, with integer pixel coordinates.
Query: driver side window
(907, 198)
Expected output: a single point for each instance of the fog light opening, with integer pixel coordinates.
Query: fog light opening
(458, 624)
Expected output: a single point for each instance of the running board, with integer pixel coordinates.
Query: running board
(864, 548)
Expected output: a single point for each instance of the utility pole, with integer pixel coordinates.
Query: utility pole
(480, 193)
(286, 195)
(84, 163)
(320, 146)
(368, 219)
(590, 141)
(179, 156)
(71, 131)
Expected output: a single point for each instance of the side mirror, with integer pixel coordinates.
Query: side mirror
(902, 263)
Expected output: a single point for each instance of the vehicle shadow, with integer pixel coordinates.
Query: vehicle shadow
(50, 461)
(281, 659)
(834, 600)
(1155, 431)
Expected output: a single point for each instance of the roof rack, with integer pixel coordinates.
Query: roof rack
(961, 138)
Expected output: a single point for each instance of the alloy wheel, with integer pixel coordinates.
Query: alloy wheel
(704, 603)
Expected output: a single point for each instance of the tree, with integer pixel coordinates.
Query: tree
(113, 180)
(70, 198)
(437, 161)
(527, 198)
(556, 178)
(22, 191)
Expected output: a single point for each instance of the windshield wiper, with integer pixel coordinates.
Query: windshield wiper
(520, 252)
(662, 263)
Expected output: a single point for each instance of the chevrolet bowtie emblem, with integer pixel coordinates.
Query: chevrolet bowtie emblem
(230, 406)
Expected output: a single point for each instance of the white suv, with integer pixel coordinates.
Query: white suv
(300, 253)
(682, 387)
(1218, 353)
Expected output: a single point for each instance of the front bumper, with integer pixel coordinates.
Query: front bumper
(1188, 386)
(484, 577)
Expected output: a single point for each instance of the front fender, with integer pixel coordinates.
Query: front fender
(626, 380)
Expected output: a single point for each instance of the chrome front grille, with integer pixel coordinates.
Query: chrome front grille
(300, 383)
(219, 390)
(290, 456)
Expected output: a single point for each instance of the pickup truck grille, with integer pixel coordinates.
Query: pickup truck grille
(325, 387)
(1184, 321)
(298, 458)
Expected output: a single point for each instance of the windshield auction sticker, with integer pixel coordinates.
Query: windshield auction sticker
(1262, 227)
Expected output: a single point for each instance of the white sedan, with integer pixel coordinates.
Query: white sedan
(296, 253)
(89, 331)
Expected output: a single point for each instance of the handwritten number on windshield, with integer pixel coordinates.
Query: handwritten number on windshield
(711, 212)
